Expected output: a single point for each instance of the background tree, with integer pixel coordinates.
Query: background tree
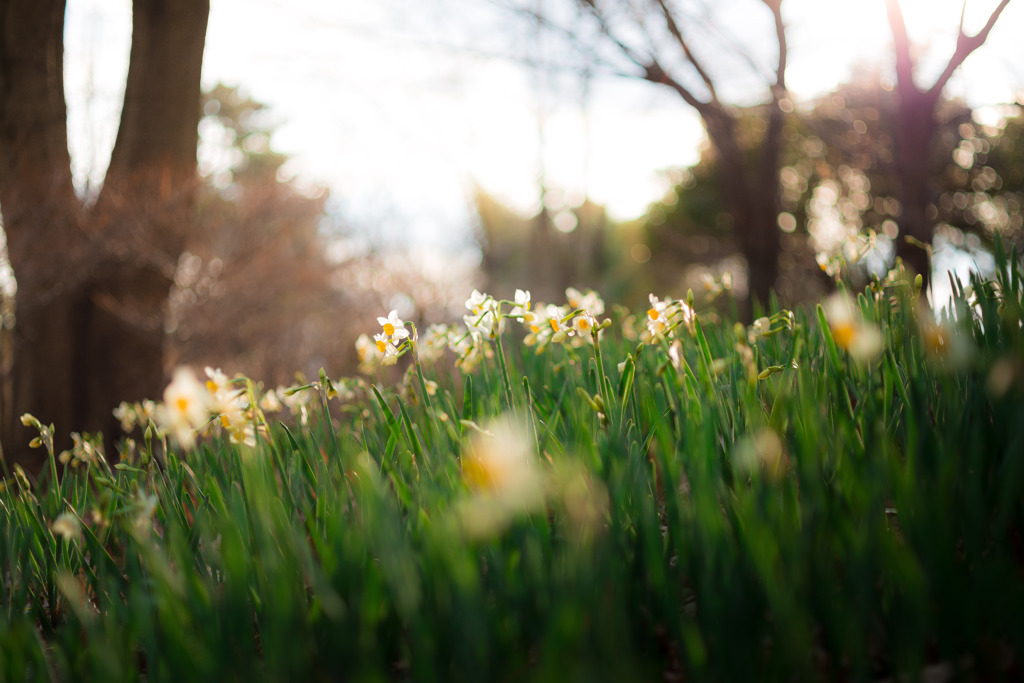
(92, 281)
(840, 181)
(916, 129)
(580, 250)
(254, 291)
(691, 52)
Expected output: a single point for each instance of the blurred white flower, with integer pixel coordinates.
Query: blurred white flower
(145, 510)
(434, 343)
(227, 402)
(186, 407)
(369, 354)
(590, 302)
(761, 451)
(126, 415)
(860, 338)
(270, 403)
(67, 526)
(760, 329)
(943, 341)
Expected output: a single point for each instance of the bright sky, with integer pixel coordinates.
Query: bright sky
(401, 128)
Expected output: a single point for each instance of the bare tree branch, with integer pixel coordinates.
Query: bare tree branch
(606, 31)
(569, 36)
(901, 44)
(730, 43)
(965, 45)
(673, 28)
(780, 35)
(770, 149)
(652, 69)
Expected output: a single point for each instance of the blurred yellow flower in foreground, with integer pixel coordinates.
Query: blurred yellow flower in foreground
(498, 464)
(860, 338)
(762, 450)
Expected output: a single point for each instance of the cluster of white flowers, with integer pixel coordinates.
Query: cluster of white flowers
(469, 348)
(386, 346)
(435, 342)
(84, 450)
(140, 413)
(231, 404)
(484, 322)
(189, 405)
(665, 317)
(766, 326)
(484, 317)
(712, 287)
(574, 323)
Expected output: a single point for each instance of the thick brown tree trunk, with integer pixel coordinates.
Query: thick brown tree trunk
(92, 289)
(750, 190)
(916, 129)
(146, 207)
(41, 219)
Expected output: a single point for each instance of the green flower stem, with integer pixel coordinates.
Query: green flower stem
(504, 372)
(600, 360)
(327, 417)
(428, 405)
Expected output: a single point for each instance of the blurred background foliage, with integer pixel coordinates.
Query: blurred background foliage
(838, 187)
(838, 200)
(273, 282)
(271, 255)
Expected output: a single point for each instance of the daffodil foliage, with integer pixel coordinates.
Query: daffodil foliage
(561, 491)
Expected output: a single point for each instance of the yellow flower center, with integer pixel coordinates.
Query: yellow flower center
(554, 325)
(182, 403)
(389, 330)
(935, 339)
(844, 334)
(381, 346)
(212, 386)
(583, 324)
(652, 314)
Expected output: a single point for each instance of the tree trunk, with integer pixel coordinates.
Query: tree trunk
(41, 219)
(750, 192)
(92, 289)
(916, 128)
(145, 209)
